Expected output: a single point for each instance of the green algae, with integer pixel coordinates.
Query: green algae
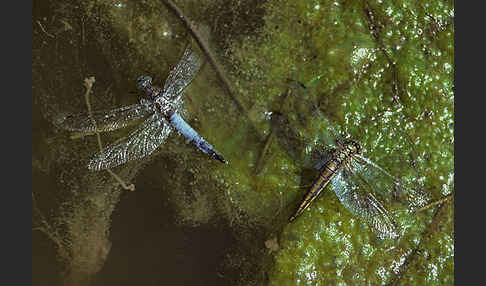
(383, 73)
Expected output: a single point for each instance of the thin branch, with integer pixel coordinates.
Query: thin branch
(204, 48)
(375, 27)
(439, 201)
(88, 83)
(77, 135)
(263, 153)
(269, 84)
(268, 141)
(431, 228)
(43, 30)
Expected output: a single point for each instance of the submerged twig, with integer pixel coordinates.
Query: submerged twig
(269, 84)
(43, 30)
(375, 26)
(204, 48)
(431, 228)
(77, 135)
(271, 135)
(439, 201)
(260, 161)
(88, 83)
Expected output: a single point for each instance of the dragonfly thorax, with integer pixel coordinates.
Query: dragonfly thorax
(351, 148)
(167, 106)
(355, 147)
(164, 103)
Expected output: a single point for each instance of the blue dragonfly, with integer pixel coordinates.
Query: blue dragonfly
(162, 112)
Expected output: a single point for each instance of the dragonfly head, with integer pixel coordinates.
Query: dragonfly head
(143, 81)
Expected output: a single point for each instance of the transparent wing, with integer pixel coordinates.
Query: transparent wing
(305, 143)
(360, 201)
(326, 131)
(182, 74)
(106, 120)
(306, 117)
(140, 143)
(391, 189)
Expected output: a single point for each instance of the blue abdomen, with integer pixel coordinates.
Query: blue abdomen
(186, 130)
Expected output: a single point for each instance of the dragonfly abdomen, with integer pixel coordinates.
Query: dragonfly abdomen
(196, 139)
(327, 173)
(328, 170)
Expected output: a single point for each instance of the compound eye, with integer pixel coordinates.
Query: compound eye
(143, 81)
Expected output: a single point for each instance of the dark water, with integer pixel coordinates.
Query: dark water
(150, 248)
(145, 239)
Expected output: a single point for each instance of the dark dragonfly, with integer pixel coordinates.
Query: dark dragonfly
(162, 113)
(363, 187)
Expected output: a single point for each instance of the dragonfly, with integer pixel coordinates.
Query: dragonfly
(162, 113)
(363, 187)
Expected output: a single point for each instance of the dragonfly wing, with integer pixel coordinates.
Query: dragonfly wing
(361, 202)
(390, 188)
(140, 143)
(321, 156)
(106, 120)
(308, 119)
(182, 74)
(305, 148)
(327, 132)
